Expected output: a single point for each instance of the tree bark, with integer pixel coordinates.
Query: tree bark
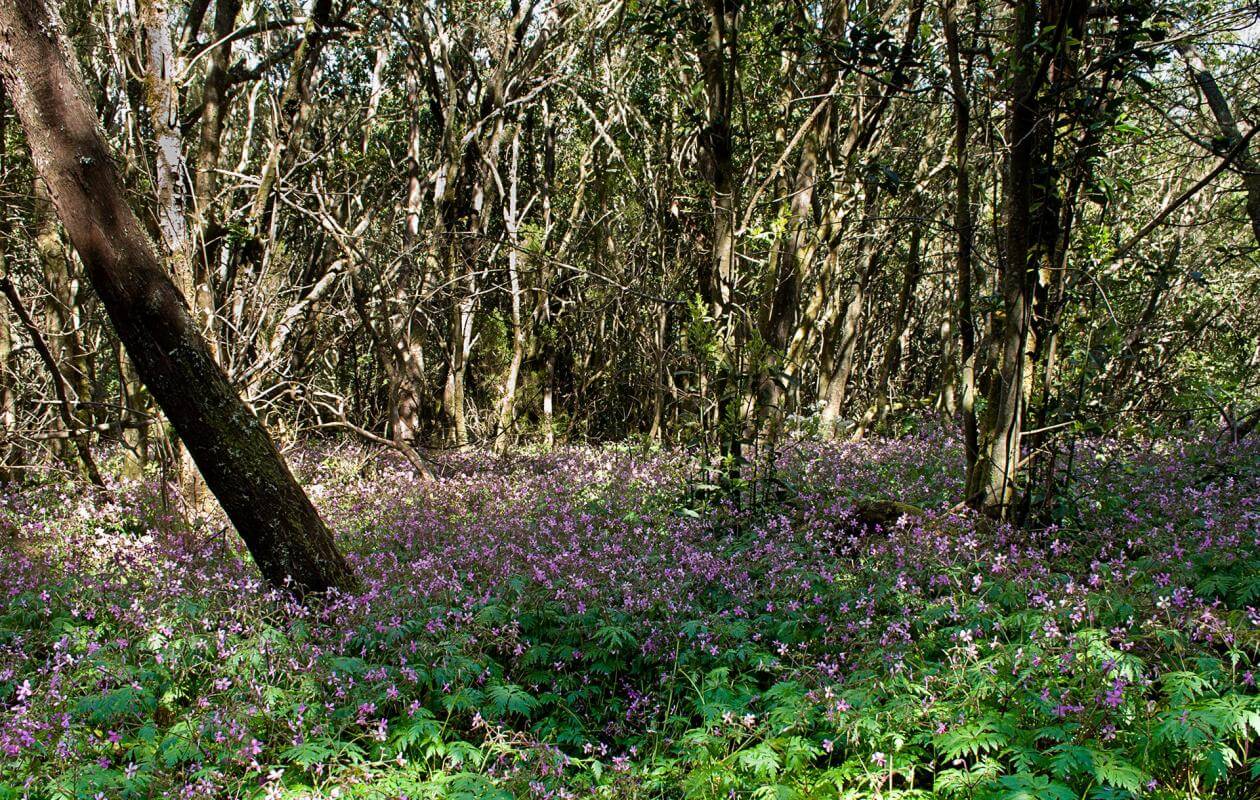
(214, 112)
(162, 100)
(964, 232)
(992, 483)
(511, 223)
(62, 317)
(239, 461)
(718, 61)
(794, 250)
(894, 345)
(1228, 127)
(10, 453)
(838, 349)
(291, 119)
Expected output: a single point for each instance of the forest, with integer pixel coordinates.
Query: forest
(492, 399)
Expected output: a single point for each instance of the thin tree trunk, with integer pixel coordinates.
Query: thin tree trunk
(511, 221)
(795, 248)
(133, 401)
(294, 100)
(61, 317)
(549, 398)
(239, 461)
(76, 430)
(842, 333)
(415, 147)
(964, 232)
(718, 60)
(893, 345)
(10, 452)
(1247, 163)
(461, 277)
(162, 100)
(214, 112)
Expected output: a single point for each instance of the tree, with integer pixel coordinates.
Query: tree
(1043, 40)
(720, 223)
(239, 461)
(1227, 125)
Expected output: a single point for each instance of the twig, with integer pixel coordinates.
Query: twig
(59, 382)
(1135, 239)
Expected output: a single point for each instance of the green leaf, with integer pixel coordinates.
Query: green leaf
(1111, 770)
(1217, 763)
(1069, 759)
(312, 751)
(348, 665)
(970, 740)
(179, 745)
(1024, 786)
(762, 760)
(508, 698)
(471, 786)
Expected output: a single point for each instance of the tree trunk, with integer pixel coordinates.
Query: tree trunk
(894, 345)
(236, 456)
(10, 453)
(210, 234)
(718, 60)
(61, 315)
(841, 337)
(291, 117)
(795, 247)
(133, 402)
(511, 222)
(992, 484)
(76, 430)
(964, 232)
(162, 100)
(1228, 127)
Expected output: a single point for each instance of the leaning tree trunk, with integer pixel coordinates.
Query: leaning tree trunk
(1248, 164)
(238, 459)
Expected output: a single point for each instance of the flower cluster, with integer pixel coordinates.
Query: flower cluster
(583, 622)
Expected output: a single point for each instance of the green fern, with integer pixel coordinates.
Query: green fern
(508, 698)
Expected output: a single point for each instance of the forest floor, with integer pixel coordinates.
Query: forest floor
(584, 623)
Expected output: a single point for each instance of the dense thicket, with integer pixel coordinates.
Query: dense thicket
(232, 451)
(436, 224)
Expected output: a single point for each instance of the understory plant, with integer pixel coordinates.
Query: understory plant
(582, 623)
